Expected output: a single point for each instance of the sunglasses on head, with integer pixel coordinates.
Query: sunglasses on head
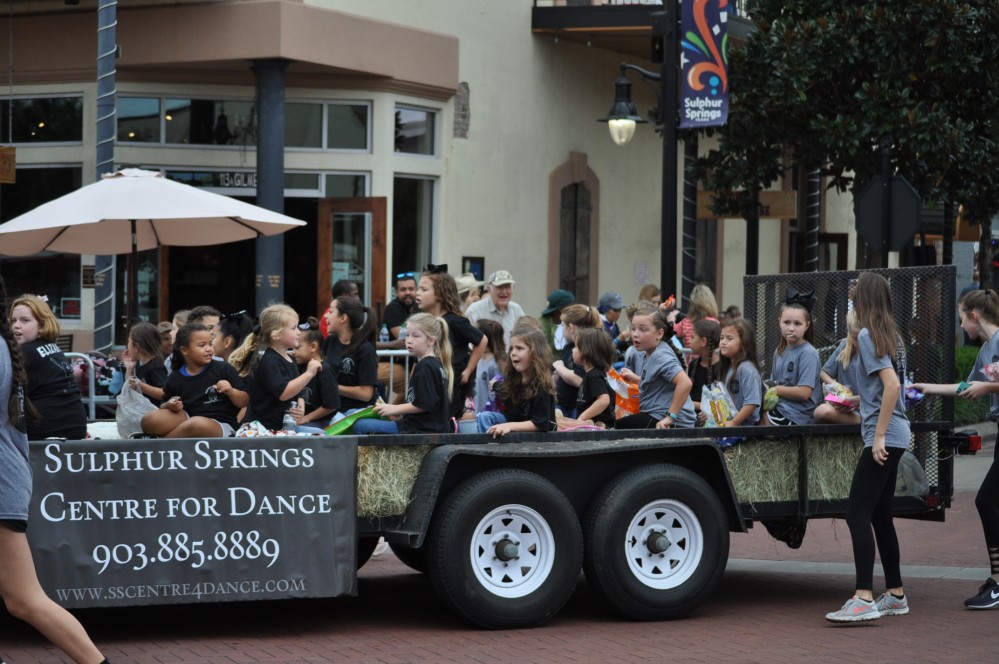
(406, 275)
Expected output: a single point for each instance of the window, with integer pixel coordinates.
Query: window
(346, 185)
(43, 119)
(412, 223)
(210, 122)
(303, 125)
(347, 127)
(54, 275)
(139, 119)
(414, 131)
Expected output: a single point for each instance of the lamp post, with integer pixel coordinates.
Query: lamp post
(623, 117)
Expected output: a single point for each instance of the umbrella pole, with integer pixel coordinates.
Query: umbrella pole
(133, 281)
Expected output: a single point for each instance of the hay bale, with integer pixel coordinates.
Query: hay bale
(767, 470)
(385, 478)
(831, 462)
(764, 471)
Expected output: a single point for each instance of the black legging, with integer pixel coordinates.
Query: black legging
(870, 504)
(987, 502)
(637, 421)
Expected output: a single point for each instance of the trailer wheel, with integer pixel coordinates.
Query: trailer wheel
(656, 542)
(412, 558)
(505, 549)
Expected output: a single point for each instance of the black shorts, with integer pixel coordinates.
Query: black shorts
(17, 525)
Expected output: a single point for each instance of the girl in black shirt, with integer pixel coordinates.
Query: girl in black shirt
(437, 295)
(594, 351)
(350, 351)
(202, 396)
(322, 394)
(528, 391)
(427, 408)
(704, 339)
(144, 370)
(51, 388)
(275, 381)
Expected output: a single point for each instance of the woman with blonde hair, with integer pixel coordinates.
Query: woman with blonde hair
(702, 306)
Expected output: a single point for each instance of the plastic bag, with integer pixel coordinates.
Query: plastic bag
(770, 398)
(132, 405)
(343, 426)
(912, 479)
(625, 395)
(716, 404)
(838, 395)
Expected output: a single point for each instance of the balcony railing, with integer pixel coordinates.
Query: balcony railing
(740, 5)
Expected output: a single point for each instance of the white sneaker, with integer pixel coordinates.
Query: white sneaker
(380, 548)
(855, 610)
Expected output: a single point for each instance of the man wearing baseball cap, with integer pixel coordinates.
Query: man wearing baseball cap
(498, 304)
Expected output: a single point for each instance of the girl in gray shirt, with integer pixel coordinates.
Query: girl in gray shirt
(885, 432)
(795, 368)
(663, 387)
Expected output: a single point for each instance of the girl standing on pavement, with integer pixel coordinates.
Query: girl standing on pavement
(885, 430)
(19, 586)
(979, 312)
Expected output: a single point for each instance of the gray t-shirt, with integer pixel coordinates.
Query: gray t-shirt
(655, 390)
(987, 355)
(745, 389)
(850, 376)
(796, 367)
(15, 473)
(870, 391)
(634, 360)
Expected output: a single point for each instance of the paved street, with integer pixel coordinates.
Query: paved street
(769, 608)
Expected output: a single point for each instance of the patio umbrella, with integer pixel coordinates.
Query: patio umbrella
(134, 210)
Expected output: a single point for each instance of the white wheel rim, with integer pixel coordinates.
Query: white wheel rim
(529, 534)
(671, 526)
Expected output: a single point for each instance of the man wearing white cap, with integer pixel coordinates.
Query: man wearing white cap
(497, 305)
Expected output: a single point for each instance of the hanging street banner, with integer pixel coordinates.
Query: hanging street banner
(139, 522)
(704, 63)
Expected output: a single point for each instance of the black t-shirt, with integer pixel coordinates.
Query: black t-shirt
(427, 390)
(540, 409)
(321, 392)
(565, 394)
(461, 333)
(698, 378)
(357, 369)
(396, 314)
(595, 384)
(270, 377)
(198, 395)
(53, 391)
(152, 373)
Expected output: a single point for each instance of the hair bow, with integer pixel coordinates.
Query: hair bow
(435, 269)
(802, 298)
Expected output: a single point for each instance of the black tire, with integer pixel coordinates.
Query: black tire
(412, 558)
(667, 577)
(505, 514)
(365, 547)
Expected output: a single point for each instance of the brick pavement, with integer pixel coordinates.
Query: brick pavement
(756, 616)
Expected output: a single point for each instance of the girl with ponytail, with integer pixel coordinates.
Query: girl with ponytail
(350, 351)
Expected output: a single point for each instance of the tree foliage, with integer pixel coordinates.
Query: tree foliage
(824, 80)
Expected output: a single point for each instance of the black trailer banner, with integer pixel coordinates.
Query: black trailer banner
(136, 522)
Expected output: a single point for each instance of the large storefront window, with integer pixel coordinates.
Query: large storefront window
(43, 119)
(341, 126)
(56, 276)
(210, 122)
(412, 223)
(139, 119)
(348, 127)
(414, 131)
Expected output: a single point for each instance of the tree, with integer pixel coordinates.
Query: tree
(822, 81)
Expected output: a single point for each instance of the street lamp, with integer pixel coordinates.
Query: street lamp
(623, 116)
